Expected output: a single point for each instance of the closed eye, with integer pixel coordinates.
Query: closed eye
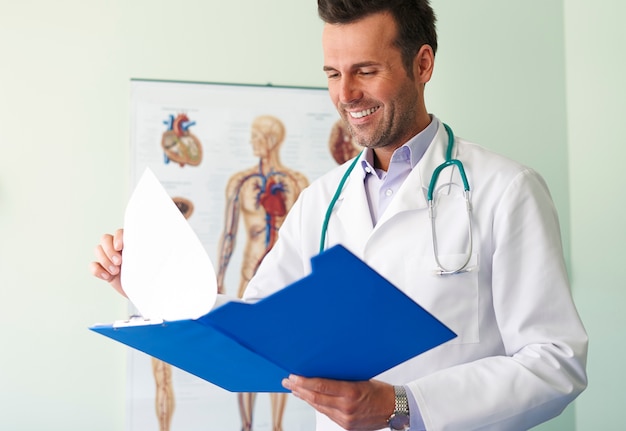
(330, 72)
(367, 72)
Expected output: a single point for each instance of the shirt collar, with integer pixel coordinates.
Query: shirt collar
(412, 150)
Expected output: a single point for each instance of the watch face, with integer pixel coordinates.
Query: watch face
(399, 421)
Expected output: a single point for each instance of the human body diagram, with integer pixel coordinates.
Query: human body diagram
(260, 196)
(341, 144)
(181, 146)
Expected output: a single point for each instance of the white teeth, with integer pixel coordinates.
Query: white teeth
(364, 113)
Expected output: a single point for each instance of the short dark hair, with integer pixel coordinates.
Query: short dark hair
(415, 19)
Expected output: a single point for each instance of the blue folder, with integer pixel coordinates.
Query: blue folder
(327, 324)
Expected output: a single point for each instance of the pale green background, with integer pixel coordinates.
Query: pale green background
(540, 80)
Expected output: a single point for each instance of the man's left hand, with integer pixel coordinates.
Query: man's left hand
(364, 405)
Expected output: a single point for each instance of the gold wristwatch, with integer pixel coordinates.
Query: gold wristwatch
(399, 420)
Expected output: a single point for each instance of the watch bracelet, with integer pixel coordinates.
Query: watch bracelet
(401, 400)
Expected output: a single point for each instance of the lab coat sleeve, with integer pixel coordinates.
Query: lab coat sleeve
(545, 345)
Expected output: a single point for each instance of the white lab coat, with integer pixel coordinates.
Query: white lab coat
(520, 354)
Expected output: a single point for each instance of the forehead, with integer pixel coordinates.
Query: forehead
(367, 39)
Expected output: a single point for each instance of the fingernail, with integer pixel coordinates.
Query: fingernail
(113, 269)
(104, 276)
(116, 260)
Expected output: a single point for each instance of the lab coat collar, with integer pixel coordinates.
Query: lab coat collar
(352, 205)
(412, 193)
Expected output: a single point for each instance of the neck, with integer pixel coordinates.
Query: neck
(382, 155)
(270, 162)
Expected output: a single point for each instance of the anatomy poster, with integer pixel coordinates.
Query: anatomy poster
(234, 158)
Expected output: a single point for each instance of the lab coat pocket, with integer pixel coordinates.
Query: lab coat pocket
(453, 299)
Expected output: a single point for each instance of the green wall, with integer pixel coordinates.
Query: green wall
(541, 81)
(596, 94)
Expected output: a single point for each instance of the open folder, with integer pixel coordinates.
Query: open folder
(343, 321)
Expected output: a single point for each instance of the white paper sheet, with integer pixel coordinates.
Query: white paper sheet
(166, 272)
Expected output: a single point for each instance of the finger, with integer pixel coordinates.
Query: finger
(118, 240)
(98, 271)
(114, 280)
(105, 260)
(112, 254)
(313, 384)
(328, 405)
(322, 394)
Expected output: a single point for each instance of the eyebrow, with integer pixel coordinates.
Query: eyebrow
(354, 66)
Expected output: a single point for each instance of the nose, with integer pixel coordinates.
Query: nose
(349, 90)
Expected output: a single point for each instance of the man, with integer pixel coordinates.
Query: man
(519, 357)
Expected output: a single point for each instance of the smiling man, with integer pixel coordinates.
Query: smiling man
(515, 363)
(495, 275)
(381, 104)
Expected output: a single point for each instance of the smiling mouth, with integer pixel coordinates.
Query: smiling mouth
(364, 113)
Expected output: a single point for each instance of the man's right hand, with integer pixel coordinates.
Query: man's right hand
(108, 262)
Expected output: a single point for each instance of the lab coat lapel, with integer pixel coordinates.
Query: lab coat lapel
(353, 210)
(412, 193)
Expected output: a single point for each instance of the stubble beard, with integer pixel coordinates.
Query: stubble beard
(391, 131)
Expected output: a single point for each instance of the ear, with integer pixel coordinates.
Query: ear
(423, 64)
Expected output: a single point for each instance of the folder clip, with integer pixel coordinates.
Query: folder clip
(136, 320)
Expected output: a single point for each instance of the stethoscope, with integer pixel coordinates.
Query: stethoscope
(440, 270)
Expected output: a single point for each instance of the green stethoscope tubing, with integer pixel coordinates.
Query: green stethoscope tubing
(333, 201)
(441, 270)
(449, 162)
